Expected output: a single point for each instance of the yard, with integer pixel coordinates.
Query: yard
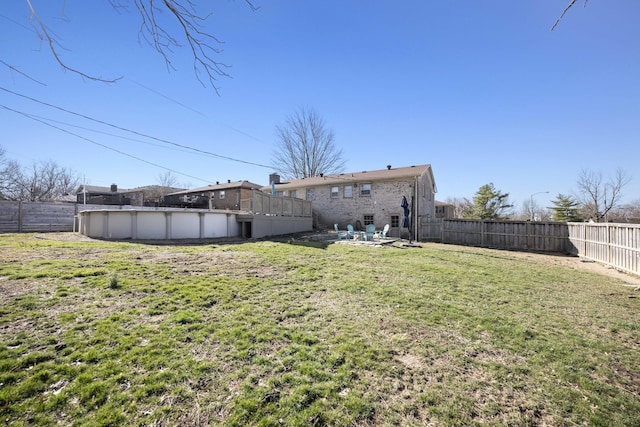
(302, 332)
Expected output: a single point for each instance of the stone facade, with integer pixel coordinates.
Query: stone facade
(366, 197)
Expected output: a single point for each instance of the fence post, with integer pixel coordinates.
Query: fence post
(608, 244)
(20, 216)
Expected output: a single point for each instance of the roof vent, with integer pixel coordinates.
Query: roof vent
(388, 167)
(228, 181)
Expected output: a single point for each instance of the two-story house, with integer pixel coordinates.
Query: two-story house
(367, 197)
(216, 196)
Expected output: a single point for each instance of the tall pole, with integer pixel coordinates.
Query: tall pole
(532, 218)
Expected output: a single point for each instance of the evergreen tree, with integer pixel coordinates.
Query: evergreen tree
(565, 209)
(490, 203)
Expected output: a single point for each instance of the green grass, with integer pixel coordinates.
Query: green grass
(304, 333)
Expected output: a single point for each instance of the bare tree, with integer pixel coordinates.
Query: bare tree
(305, 146)
(532, 211)
(167, 183)
(462, 207)
(41, 182)
(6, 173)
(598, 197)
(167, 179)
(203, 45)
(626, 213)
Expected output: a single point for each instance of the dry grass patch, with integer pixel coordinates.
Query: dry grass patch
(299, 332)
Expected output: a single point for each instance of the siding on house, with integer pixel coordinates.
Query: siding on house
(150, 195)
(444, 210)
(227, 195)
(382, 204)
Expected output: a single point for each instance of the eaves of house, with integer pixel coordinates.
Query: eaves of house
(387, 174)
(219, 186)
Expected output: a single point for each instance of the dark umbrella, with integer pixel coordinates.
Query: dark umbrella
(406, 221)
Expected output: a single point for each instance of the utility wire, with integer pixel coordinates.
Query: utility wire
(29, 116)
(135, 132)
(111, 134)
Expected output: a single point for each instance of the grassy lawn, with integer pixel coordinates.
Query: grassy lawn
(307, 333)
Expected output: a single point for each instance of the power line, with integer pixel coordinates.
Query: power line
(29, 116)
(135, 132)
(110, 134)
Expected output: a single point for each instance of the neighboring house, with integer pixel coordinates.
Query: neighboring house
(219, 196)
(95, 195)
(150, 195)
(444, 210)
(362, 198)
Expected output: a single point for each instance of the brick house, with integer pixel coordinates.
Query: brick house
(150, 195)
(219, 196)
(367, 197)
(444, 210)
(96, 195)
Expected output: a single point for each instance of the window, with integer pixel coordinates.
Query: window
(440, 209)
(292, 193)
(311, 194)
(368, 220)
(348, 191)
(365, 189)
(395, 221)
(221, 195)
(334, 192)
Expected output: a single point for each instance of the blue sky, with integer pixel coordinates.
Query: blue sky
(483, 91)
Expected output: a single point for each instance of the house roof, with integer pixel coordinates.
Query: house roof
(151, 189)
(223, 186)
(94, 189)
(364, 176)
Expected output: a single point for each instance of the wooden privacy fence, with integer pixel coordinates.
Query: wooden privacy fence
(267, 204)
(617, 245)
(511, 235)
(23, 217)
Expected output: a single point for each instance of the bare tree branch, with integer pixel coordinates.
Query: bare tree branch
(43, 34)
(566, 9)
(203, 45)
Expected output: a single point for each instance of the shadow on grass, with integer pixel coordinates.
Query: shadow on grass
(309, 240)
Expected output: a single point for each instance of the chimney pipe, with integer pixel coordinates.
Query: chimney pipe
(388, 167)
(275, 178)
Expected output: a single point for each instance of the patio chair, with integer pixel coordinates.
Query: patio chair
(382, 234)
(350, 231)
(369, 232)
(342, 234)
